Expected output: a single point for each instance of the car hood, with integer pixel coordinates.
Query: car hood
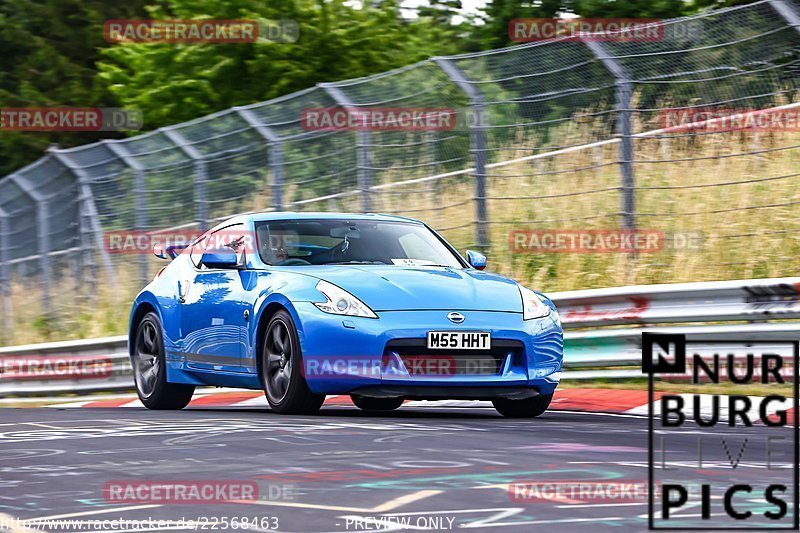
(393, 288)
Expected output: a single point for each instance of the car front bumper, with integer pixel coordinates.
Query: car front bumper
(353, 355)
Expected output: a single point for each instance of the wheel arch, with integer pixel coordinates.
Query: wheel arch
(267, 312)
(141, 308)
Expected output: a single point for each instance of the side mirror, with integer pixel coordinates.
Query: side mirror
(159, 251)
(174, 250)
(476, 260)
(168, 252)
(223, 258)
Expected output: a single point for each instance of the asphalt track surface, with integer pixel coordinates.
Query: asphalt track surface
(342, 470)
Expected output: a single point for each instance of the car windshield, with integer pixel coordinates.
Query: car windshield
(331, 242)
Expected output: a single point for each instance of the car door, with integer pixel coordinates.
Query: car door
(213, 320)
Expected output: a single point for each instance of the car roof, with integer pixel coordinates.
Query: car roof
(291, 215)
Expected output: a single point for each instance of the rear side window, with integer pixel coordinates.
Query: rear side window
(197, 251)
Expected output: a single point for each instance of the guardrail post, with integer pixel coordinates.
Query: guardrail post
(139, 190)
(88, 223)
(42, 235)
(623, 95)
(274, 154)
(477, 131)
(363, 148)
(200, 175)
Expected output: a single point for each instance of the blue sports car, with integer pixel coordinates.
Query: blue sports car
(302, 305)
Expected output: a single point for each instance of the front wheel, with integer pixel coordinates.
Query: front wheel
(527, 408)
(376, 404)
(150, 369)
(281, 369)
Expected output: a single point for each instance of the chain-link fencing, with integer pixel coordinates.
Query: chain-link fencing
(560, 135)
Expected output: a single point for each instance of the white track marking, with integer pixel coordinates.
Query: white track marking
(382, 508)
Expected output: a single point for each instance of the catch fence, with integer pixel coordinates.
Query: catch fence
(562, 134)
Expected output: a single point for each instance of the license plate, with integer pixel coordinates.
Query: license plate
(460, 340)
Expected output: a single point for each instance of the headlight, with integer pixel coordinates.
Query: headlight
(532, 304)
(341, 302)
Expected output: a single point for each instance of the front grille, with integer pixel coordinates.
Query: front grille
(421, 361)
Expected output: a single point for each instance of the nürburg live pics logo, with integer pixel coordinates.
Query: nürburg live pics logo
(723, 453)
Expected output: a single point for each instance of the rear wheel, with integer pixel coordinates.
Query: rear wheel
(527, 408)
(150, 369)
(376, 404)
(281, 369)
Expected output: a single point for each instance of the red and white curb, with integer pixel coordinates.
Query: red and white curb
(593, 400)
(615, 401)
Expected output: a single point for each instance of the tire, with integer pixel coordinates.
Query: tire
(281, 369)
(150, 369)
(366, 403)
(527, 408)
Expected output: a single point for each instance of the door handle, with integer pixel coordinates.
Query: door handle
(183, 290)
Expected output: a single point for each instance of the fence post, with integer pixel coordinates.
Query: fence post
(200, 175)
(42, 234)
(274, 154)
(787, 12)
(5, 277)
(89, 221)
(477, 134)
(138, 189)
(363, 147)
(623, 93)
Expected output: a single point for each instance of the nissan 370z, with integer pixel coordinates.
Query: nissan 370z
(381, 308)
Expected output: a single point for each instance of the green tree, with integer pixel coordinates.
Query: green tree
(49, 53)
(493, 33)
(337, 40)
(653, 9)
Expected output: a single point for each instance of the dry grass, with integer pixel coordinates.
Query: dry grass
(741, 239)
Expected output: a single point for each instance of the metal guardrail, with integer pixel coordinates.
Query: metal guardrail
(715, 301)
(590, 354)
(611, 353)
(112, 351)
